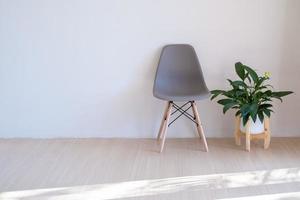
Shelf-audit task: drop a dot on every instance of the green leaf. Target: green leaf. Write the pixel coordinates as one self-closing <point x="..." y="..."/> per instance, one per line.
<point x="260" y="88"/>
<point x="281" y="93"/>
<point x="253" y="111"/>
<point x="252" y="73"/>
<point x="245" y="109"/>
<point x="267" y="112"/>
<point x="266" y="99"/>
<point x="254" y="117"/>
<point x="240" y="92"/>
<point x="268" y="85"/>
<point x="248" y="78"/>
<point x="259" y="82"/>
<point x="253" y="107"/>
<point x="228" y="106"/>
<point x="245" y="119"/>
<point x="229" y="94"/>
<point x="238" y="113"/>
<point x="213" y="96"/>
<point x="239" y="69"/>
<point x="216" y="93"/>
<point x="278" y="98"/>
<point x="266" y="105"/>
<point x="231" y="83"/>
<point x="261" y="116"/>
<point x="225" y="101"/>
<point x="258" y="95"/>
<point x="239" y="83"/>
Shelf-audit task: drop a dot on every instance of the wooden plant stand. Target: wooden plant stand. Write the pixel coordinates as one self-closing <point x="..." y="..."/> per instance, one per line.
<point x="266" y="135"/>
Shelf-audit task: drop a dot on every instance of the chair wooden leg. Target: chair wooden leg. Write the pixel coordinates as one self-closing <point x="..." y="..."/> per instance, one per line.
<point x="237" y="134"/>
<point x="163" y="122"/>
<point x="248" y="139"/>
<point x="199" y="125"/>
<point x="267" y="138"/>
<point x="195" y="117"/>
<point x="165" y="127"/>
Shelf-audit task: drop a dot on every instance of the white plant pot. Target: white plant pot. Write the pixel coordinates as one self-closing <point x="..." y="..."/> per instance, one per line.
<point x="255" y="127"/>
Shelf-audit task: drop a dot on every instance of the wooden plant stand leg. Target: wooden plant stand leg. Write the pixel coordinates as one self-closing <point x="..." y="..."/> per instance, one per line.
<point x="248" y="136"/>
<point x="163" y="122"/>
<point x="199" y="125"/>
<point x="237" y="134"/>
<point x="165" y="127"/>
<point x="267" y="138"/>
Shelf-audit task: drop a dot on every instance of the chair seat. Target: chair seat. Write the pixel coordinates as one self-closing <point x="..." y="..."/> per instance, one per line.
<point x="182" y="96"/>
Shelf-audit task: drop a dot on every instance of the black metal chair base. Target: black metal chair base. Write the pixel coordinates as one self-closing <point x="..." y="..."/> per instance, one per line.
<point x="183" y="112"/>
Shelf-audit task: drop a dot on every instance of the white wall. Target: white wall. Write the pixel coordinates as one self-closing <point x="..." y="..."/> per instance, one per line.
<point x="85" y="68"/>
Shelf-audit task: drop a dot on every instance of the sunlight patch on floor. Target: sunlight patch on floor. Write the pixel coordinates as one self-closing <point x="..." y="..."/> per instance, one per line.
<point x="160" y="186"/>
<point x="279" y="196"/>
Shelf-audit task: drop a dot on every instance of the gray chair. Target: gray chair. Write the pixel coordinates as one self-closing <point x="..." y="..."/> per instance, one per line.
<point x="179" y="78"/>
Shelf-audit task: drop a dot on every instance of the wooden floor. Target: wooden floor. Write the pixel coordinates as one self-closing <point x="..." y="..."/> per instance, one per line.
<point x="133" y="169"/>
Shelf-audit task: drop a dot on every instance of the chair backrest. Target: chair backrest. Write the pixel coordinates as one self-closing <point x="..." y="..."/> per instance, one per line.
<point x="178" y="71"/>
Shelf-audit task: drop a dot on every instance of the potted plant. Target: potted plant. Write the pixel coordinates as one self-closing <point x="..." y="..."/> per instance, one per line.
<point x="250" y="96"/>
